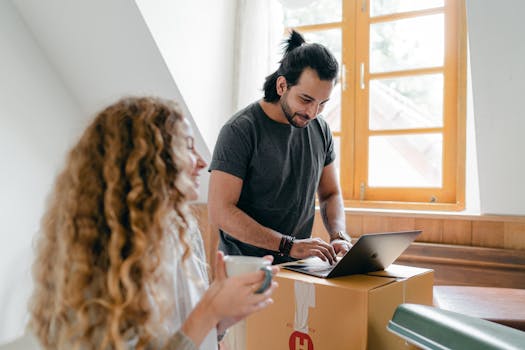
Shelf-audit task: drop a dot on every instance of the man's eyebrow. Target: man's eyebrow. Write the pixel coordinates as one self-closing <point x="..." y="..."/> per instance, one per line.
<point x="307" y="96"/>
<point x="313" y="99"/>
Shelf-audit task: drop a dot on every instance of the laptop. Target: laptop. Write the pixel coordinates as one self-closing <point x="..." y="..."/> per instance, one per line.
<point x="371" y="252"/>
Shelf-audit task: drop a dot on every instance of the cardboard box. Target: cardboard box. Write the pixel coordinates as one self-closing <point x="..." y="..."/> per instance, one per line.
<point x="350" y="312"/>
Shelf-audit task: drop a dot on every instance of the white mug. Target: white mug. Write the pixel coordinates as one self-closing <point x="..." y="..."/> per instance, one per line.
<point x="240" y="264"/>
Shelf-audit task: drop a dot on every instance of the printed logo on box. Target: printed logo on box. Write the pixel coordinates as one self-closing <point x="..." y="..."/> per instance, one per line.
<point x="300" y="341"/>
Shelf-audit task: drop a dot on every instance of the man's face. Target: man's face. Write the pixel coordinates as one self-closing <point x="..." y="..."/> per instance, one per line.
<point x="303" y="102"/>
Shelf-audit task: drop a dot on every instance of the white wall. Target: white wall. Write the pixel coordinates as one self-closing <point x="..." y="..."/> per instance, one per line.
<point x="196" y="40"/>
<point x="498" y="78"/>
<point x="61" y="61"/>
<point x="103" y="50"/>
<point x="39" y="119"/>
<point x="472" y="205"/>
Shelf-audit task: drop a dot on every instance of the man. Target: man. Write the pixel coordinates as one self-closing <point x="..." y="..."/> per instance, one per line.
<point x="270" y="160"/>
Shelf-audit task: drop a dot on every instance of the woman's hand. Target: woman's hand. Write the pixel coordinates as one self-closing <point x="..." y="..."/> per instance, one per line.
<point x="227" y="301"/>
<point x="220" y="269"/>
<point x="234" y="297"/>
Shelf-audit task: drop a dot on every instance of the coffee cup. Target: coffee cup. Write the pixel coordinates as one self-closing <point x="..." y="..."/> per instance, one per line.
<point x="240" y="264"/>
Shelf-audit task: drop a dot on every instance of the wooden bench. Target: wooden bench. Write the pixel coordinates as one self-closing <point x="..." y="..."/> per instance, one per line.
<point x="505" y="306"/>
<point x="487" y="283"/>
<point x="468" y="265"/>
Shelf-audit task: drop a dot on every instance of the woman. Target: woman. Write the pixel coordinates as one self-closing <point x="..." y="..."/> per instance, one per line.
<point x="120" y="263"/>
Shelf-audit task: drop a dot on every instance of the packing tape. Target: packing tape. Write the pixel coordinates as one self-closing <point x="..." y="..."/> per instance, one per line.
<point x="304" y="299"/>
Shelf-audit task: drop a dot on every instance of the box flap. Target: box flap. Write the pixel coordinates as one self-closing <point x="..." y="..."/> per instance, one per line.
<point x="362" y="282"/>
<point x="400" y="271"/>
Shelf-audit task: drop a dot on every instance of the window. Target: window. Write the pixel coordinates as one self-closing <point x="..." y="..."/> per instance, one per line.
<point x="410" y="101"/>
<point x="398" y="111"/>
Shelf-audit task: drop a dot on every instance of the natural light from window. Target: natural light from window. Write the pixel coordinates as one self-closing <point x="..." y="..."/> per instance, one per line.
<point x="395" y="103"/>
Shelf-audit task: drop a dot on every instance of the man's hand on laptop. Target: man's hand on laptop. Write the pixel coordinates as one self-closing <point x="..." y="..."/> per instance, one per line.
<point x="341" y="242"/>
<point x="304" y="248"/>
<point x="341" y="246"/>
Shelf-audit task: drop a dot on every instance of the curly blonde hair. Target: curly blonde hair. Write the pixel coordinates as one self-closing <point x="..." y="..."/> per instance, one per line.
<point x="100" y="250"/>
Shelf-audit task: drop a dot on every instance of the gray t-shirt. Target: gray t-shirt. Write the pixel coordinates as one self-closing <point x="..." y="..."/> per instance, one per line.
<point x="280" y="166"/>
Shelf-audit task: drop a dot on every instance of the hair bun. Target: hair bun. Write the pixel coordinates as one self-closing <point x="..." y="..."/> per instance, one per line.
<point x="294" y="41"/>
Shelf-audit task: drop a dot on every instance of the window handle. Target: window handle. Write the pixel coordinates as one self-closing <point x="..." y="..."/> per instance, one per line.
<point x="362" y="80"/>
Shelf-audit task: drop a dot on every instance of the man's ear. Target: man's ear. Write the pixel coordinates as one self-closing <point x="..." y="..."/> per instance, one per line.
<point x="281" y="85"/>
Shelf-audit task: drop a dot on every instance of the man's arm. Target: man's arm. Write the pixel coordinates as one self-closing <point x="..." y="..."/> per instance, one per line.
<point x="223" y="195"/>
<point x="331" y="206"/>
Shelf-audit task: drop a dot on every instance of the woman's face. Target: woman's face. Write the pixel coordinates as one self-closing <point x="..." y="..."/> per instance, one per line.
<point x="195" y="163"/>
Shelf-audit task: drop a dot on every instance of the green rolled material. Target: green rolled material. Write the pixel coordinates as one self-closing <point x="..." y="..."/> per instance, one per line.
<point x="436" y="329"/>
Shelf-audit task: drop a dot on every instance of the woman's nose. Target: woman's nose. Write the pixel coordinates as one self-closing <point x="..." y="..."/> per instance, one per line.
<point x="201" y="163"/>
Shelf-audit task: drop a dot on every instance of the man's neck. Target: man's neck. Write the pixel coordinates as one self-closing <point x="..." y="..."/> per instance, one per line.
<point x="273" y="111"/>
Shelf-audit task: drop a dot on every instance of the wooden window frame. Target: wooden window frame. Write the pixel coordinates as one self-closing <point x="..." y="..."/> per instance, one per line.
<point x="354" y="131"/>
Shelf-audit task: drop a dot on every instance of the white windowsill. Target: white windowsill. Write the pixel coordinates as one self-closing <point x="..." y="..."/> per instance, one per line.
<point x="456" y="215"/>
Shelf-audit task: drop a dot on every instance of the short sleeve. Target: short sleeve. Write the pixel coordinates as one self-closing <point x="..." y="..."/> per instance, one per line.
<point x="330" y="151"/>
<point x="233" y="150"/>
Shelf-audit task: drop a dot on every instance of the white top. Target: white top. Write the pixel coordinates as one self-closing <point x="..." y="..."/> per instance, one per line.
<point x="190" y="282"/>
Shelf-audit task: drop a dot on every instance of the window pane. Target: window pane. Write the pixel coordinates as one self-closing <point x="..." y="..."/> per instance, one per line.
<point x="337" y="148"/>
<point x="386" y="7"/>
<point x="406" y="103"/>
<point x="405" y="161"/>
<point x="332" y="110"/>
<point x="304" y="12"/>
<point x="407" y="44"/>
<point x="332" y="40"/>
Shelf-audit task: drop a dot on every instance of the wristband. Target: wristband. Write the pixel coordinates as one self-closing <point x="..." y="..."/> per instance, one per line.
<point x="286" y="245"/>
<point x="221" y="336"/>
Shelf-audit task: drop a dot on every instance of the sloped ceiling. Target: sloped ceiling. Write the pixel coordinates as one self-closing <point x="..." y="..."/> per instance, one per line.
<point x="103" y="50"/>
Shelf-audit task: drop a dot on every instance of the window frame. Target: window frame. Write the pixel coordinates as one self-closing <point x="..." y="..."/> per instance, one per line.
<point x="354" y="131"/>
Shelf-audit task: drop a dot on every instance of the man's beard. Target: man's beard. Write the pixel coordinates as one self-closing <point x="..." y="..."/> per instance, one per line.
<point x="288" y="114"/>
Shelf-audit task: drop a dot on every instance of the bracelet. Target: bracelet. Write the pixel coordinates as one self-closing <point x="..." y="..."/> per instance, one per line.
<point x="286" y="245"/>
<point x="221" y="336"/>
